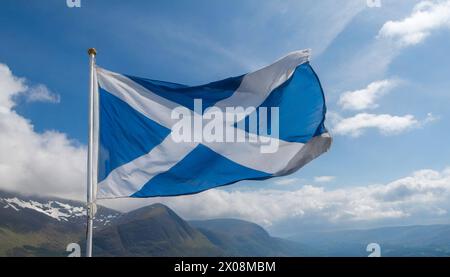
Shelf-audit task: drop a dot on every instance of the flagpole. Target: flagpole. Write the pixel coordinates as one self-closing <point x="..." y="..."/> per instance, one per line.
<point x="91" y="163"/>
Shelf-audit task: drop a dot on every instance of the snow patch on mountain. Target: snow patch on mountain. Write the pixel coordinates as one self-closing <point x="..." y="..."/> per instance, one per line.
<point x="55" y="209"/>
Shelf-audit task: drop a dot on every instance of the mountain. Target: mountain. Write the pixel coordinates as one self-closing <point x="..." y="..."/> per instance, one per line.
<point x="156" y="230"/>
<point x="152" y="231"/>
<point x="43" y="226"/>
<point x="40" y="226"/>
<point x="402" y="241"/>
<point x="243" y="238"/>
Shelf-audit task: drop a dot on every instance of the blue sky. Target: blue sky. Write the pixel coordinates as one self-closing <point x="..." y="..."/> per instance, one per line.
<point x="401" y="130"/>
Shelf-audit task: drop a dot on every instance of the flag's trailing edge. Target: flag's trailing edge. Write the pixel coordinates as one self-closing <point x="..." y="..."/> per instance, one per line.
<point x="139" y="158"/>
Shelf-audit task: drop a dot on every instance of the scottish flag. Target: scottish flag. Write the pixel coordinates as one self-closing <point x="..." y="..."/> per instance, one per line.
<point x="158" y="138"/>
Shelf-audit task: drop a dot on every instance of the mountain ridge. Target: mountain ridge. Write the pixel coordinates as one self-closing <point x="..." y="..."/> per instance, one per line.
<point x="43" y="226"/>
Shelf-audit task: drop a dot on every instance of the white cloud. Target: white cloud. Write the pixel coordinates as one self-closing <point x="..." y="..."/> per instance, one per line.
<point x="426" y="193"/>
<point x="324" y="179"/>
<point x="426" y="17"/>
<point x="41" y="93"/>
<point x="386" y="124"/>
<point x="31" y="162"/>
<point x="365" y="98"/>
<point x="287" y="181"/>
<point x="10" y="86"/>
<point x="371" y="60"/>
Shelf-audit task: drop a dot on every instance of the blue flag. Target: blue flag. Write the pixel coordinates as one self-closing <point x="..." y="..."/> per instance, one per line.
<point x="158" y="138"/>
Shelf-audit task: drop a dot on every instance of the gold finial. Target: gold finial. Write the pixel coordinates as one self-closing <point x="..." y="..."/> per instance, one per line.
<point x="92" y="51"/>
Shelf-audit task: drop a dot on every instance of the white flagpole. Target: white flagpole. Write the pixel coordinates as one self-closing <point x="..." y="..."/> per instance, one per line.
<point x="92" y="151"/>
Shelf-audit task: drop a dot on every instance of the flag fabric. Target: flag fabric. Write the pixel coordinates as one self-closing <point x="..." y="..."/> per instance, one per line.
<point x="139" y="157"/>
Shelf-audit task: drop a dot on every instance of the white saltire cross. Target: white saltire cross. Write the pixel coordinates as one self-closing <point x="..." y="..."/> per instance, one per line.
<point x="253" y="90"/>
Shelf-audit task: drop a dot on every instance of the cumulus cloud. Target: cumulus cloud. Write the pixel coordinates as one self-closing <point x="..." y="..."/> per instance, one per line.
<point x="372" y="60"/>
<point x="426" y="17"/>
<point x="324" y="179"/>
<point x="426" y="193"/>
<point x="384" y="123"/>
<point x="366" y="98"/>
<point x="13" y="87"/>
<point x="40" y="93"/>
<point x="32" y="162"/>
